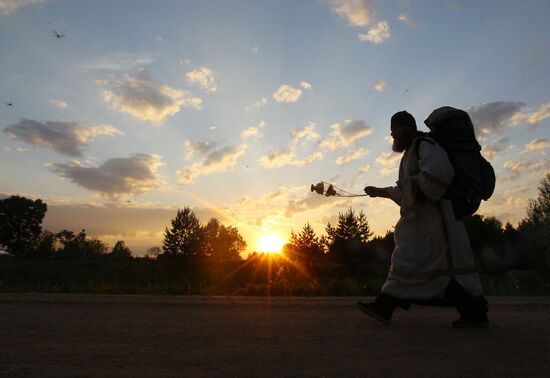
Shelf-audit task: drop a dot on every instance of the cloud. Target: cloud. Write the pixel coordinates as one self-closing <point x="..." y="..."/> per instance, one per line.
<point x="364" y="169"/>
<point x="286" y="156"/>
<point x="67" y="138"/>
<point x="492" y="150"/>
<point x="257" y="105"/>
<point x="201" y="147"/>
<point x="345" y="133"/>
<point x="220" y="160"/>
<point x="356" y="12"/>
<point x="522" y="166"/>
<point x="351" y="156"/>
<point x="379" y="86"/>
<point x="116" y="61"/>
<point x="377" y="34"/>
<point x="134" y="175"/>
<point x="147" y="101"/>
<point x="307" y="132"/>
<point x="8" y="6"/>
<point x="203" y="77"/>
<point x="60" y="104"/>
<point x="537" y="145"/>
<point x="406" y="19"/>
<point x="253" y="131"/>
<point x="494" y="116"/>
<point x="305" y="85"/>
<point x="532" y="118"/>
<point x="287" y="93"/>
<point x="389" y="162"/>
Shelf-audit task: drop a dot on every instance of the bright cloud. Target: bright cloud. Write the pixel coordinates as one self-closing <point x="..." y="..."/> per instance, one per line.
<point x="379" y="86"/>
<point x="364" y="169"/>
<point x="532" y="118"/>
<point x="203" y="77"/>
<point x="286" y="156"/>
<point x="67" y="138"/>
<point x="492" y="150"/>
<point x="287" y="93"/>
<point x="356" y="12"/>
<point x="389" y="162"/>
<point x="257" y="105"/>
<point x="254" y="131"/>
<point x="201" y="147"/>
<point x="220" y="160"/>
<point x="60" y="104"/>
<point x="147" y="101"/>
<point x="307" y="132"/>
<point x="351" y="156"/>
<point x="134" y="175"/>
<point x="377" y="34"/>
<point x="345" y="133"/>
<point x="406" y="19"/>
<point x="538" y="145"/>
<point x="524" y="165"/>
<point x="8" y="6"/>
<point x="305" y="85"/>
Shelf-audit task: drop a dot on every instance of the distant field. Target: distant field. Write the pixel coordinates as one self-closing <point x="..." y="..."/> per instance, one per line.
<point x="141" y="276"/>
<point x="62" y="335"/>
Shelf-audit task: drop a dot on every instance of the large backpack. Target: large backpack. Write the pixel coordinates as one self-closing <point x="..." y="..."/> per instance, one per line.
<point x="474" y="177"/>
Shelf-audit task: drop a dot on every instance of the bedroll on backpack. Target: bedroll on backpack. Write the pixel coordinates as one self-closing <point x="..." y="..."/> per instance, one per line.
<point x="474" y="177"/>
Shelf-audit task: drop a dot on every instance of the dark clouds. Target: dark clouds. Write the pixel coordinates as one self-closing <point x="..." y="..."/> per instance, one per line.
<point x="134" y="175"/>
<point x="494" y="116"/>
<point x="68" y="138"/>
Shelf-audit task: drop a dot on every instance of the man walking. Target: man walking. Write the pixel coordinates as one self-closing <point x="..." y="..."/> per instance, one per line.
<point x="432" y="263"/>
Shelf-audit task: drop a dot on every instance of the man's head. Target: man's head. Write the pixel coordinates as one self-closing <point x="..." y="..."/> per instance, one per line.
<point x="403" y="130"/>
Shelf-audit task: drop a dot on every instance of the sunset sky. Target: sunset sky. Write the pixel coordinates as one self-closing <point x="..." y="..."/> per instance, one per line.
<point x="234" y="108"/>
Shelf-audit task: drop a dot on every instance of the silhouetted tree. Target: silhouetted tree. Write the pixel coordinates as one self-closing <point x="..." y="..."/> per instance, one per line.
<point x="307" y="246"/>
<point x="185" y="235"/>
<point x="152" y="253"/>
<point x="222" y="242"/>
<point x="347" y="242"/>
<point x="120" y="251"/>
<point x="20" y="224"/>
<point x="536" y="226"/>
<point x="79" y="245"/>
<point x="47" y="246"/>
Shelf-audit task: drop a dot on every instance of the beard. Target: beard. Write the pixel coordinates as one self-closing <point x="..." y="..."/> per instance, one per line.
<point x="401" y="144"/>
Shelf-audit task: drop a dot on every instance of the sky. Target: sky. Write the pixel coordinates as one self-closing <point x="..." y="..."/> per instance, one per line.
<point x="118" y="113"/>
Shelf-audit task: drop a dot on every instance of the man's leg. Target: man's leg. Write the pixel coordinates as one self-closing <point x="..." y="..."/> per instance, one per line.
<point x="472" y="310"/>
<point x="383" y="307"/>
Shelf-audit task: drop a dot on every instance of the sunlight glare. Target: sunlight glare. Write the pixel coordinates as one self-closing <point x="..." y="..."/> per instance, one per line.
<point x="270" y="244"/>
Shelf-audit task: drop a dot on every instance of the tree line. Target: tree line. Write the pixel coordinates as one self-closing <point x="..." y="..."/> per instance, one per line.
<point x="348" y="242"/>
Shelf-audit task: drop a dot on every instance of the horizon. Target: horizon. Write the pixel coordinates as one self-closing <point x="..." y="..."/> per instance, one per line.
<point x="116" y="114"/>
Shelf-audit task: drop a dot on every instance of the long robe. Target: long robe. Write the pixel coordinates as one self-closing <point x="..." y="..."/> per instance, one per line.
<point x="431" y="246"/>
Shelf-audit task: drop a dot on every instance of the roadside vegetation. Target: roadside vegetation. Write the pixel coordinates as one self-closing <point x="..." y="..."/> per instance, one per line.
<point x="205" y="259"/>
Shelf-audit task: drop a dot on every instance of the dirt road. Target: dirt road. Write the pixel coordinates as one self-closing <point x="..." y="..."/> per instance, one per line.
<point x="142" y="336"/>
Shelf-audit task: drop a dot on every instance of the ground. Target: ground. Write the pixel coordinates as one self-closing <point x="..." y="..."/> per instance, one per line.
<point x="62" y="335"/>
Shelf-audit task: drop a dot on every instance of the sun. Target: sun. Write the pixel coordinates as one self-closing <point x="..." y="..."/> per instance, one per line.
<point x="270" y="244"/>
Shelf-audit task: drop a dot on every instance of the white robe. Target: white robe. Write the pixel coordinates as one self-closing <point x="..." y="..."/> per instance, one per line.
<point x="431" y="246"/>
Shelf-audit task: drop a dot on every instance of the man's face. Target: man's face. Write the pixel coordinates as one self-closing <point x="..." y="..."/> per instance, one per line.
<point x="402" y="138"/>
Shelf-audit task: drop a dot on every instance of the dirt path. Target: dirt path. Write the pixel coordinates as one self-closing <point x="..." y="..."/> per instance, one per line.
<point x="141" y="336"/>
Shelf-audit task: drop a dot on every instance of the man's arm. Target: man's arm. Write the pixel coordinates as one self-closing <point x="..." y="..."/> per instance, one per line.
<point x="391" y="192"/>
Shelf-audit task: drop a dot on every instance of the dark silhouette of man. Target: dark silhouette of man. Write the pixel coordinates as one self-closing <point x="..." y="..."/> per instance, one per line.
<point x="432" y="263"/>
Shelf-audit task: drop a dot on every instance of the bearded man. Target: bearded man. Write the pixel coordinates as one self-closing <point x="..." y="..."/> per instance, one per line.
<point x="432" y="263"/>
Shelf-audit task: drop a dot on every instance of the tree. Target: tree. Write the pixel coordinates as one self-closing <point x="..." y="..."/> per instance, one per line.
<point x="120" y="251"/>
<point x="79" y="245"/>
<point x="536" y="227"/>
<point x="307" y="246"/>
<point x="222" y="242"/>
<point x="152" y="253"/>
<point x="185" y="235"/>
<point x="347" y="242"/>
<point x="20" y="224"/>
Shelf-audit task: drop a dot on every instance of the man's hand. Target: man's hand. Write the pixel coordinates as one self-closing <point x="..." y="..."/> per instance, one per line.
<point x="373" y="191"/>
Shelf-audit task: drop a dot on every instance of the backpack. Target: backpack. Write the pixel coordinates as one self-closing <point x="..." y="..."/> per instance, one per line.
<point x="474" y="177"/>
